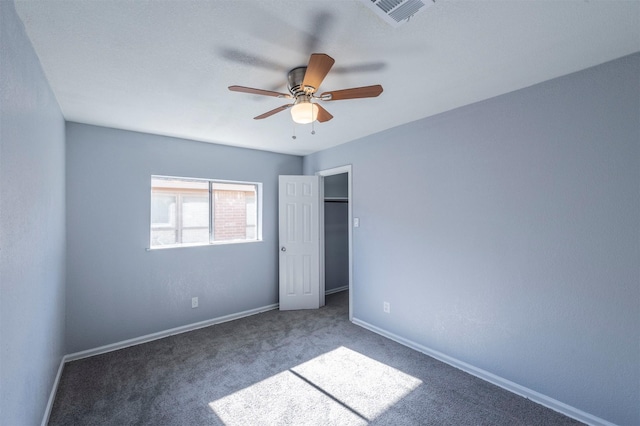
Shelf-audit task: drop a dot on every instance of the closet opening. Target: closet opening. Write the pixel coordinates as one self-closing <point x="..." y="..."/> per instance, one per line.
<point x="337" y="233"/>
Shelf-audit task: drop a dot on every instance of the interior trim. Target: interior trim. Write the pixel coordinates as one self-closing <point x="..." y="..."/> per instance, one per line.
<point x="525" y="392"/>
<point x="337" y="290"/>
<point x="52" y="394"/>
<point x="162" y="334"/>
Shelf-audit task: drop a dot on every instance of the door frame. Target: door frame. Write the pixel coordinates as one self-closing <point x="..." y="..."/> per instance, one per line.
<point x="348" y="169"/>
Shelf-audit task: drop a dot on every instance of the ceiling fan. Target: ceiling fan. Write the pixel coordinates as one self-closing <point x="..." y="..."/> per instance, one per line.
<point x="303" y="83"/>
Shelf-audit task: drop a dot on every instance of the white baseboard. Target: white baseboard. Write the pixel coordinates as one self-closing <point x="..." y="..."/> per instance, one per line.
<point x="162" y="334"/>
<point x="139" y="340"/>
<point x="337" y="290"/>
<point x="491" y="378"/>
<point x="52" y="395"/>
<point x="482" y="374"/>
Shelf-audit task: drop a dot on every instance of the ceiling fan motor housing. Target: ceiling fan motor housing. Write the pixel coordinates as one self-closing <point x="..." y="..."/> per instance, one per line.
<point x="295" y="79"/>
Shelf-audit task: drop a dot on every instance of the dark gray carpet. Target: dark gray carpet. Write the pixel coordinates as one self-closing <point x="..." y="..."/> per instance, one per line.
<point x="296" y="367"/>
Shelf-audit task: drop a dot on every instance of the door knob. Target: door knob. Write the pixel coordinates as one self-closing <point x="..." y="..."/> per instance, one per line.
<point x="283" y="249"/>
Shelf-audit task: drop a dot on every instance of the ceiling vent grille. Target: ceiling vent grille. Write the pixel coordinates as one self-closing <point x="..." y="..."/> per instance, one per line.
<point x="397" y="12"/>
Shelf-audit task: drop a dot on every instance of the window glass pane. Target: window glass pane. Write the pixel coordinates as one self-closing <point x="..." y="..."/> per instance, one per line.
<point x="234" y="212"/>
<point x="177" y="206"/>
<point x="182" y="212"/>
<point x="190" y="236"/>
<point x="162" y="238"/>
<point x="163" y="210"/>
<point x="252" y="216"/>
<point x="195" y="210"/>
<point x="169" y="183"/>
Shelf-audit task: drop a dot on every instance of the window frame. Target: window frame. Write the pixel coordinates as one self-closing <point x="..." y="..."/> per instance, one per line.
<point x="211" y="221"/>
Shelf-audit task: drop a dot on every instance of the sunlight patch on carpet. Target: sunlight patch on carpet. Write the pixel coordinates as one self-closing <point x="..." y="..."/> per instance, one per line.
<point x="365" y="385"/>
<point x="339" y="386"/>
<point x="282" y="399"/>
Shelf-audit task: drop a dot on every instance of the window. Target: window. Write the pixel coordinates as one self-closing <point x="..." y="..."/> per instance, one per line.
<point x="200" y="211"/>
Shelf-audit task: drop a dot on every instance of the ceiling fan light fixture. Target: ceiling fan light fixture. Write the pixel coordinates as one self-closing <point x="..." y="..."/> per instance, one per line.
<point x="303" y="83"/>
<point x="304" y="111"/>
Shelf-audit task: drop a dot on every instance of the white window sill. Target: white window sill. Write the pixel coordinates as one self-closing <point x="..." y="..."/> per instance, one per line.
<point x="216" y="243"/>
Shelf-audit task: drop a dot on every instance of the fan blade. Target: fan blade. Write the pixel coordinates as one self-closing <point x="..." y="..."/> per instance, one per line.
<point x="317" y="69"/>
<point x="354" y="93"/>
<point x="259" y="92"/>
<point x="323" y="114"/>
<point x="273" y="111"/>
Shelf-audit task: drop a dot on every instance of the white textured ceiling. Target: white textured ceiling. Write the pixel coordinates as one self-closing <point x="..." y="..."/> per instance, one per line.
<point x="163" y="67"/>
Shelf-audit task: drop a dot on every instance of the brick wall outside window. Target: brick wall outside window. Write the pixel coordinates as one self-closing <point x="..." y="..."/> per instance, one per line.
<point x="230" y="213"/>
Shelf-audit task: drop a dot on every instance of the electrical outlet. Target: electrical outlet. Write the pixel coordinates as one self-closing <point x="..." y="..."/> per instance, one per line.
<point x="386" y="307"/>
<point x="356" y="222"/>
<point x="194" y="302"/>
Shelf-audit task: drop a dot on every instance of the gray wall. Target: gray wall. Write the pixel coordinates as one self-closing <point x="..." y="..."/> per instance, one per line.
<point x="32" y="228"/>
<point x="116" y="289"/>
<point x="515" y="231"/>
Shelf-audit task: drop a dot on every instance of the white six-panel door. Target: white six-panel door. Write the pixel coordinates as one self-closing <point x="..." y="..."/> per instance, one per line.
<point x="299" y="205"/>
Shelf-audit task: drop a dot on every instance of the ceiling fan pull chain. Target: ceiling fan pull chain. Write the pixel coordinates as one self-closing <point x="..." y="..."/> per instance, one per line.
<point x="313" y="127"/>
<point x="294" y="131"/>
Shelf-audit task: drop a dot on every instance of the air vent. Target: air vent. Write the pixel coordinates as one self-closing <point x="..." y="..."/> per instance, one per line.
<point x="397" y="12"/>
